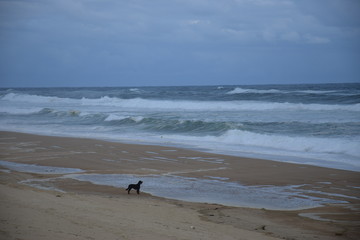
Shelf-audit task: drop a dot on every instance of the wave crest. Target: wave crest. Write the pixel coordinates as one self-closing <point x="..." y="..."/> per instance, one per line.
<point x="140" y="103"/>
<point x="300" y="144"/>
<point x="239" y="90"/>
<point x="244" y="142"/>
<point x="15" y="97"/>
<point x="181" y="105"/>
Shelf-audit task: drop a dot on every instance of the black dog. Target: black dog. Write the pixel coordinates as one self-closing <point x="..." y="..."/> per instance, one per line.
<point x="134" y="186"/>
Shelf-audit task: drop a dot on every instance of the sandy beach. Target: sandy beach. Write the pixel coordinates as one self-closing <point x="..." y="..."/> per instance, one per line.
<point x="57" y="205"/>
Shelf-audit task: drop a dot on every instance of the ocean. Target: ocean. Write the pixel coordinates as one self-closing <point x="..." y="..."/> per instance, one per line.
<point x="316" y="124"/>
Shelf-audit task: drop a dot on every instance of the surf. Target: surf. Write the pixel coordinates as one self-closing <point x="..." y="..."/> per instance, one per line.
<point x="317" y="123"/>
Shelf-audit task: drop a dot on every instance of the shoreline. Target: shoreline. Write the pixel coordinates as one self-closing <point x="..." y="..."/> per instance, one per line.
<point x="328" y="221"/>
<point x="262" y="156"/>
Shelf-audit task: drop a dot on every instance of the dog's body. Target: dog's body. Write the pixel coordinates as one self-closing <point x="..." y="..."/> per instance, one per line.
<point x="134" y="186"/>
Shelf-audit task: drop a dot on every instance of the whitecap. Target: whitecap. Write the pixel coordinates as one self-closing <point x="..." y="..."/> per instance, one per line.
<point x="239" y="90"/>
<point x="115" y="117"/>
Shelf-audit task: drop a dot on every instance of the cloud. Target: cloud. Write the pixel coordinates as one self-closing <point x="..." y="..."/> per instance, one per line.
<point x="290" y="36"/>
<point x="137" y="21"/>
<point x="315" y="39"/>
<point x="139" y="38"/>
<point x="260" y="20"/>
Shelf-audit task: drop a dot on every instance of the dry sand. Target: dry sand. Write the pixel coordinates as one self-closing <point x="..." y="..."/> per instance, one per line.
<point x="81" y="210"/>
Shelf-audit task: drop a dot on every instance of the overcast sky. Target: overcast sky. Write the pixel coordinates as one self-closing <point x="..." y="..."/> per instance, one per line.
<point x="45" y="43"/>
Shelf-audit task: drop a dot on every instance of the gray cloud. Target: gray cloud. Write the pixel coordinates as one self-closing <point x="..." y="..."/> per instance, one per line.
<point x="177" y="42"/>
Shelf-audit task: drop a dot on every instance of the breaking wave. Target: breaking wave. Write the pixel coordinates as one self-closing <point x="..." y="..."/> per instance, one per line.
<point x="140" y="103"/>
<point x="245" y="90"/>
<point x="310" y="121"/>
<point x="240" y="90"/>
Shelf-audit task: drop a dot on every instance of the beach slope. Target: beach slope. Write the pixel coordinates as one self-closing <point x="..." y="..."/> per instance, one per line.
<point x="48" y="204"/>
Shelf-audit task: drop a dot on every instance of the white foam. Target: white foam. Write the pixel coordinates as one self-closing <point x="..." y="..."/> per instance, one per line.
<point x="143" y="104"/>
<point x="19" y="110"/>
<point x="218" y="178"/>
<point x="14" y="97"/>
<point x="139" y="103"/>
<point x="301" y="144"/>
<point x="239" y="90"/>
<point x="115" y="117"/>
<point x="315" y="91"/>
<point x="135" y="90"/>
<point x="137" y="118"/>
<point x="328" y="152"/>
<point x="340" y="152"/>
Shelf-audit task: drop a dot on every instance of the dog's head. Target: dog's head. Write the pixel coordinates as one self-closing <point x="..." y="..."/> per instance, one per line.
<point x="140" y="182"/>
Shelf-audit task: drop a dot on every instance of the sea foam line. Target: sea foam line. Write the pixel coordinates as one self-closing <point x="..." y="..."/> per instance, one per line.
<point x="240" y="90"/>
<point x="140" y="103"/>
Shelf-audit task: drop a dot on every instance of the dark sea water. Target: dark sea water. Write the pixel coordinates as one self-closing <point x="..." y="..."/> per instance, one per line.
<point x="311" y="124"/>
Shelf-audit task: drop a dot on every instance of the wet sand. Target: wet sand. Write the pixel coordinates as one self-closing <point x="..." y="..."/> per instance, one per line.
<point x="65" y="208"/>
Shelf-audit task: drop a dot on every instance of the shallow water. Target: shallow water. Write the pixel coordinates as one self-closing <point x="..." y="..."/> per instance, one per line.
<point x="33" y="168"/>
<point x="211" y="190"/>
